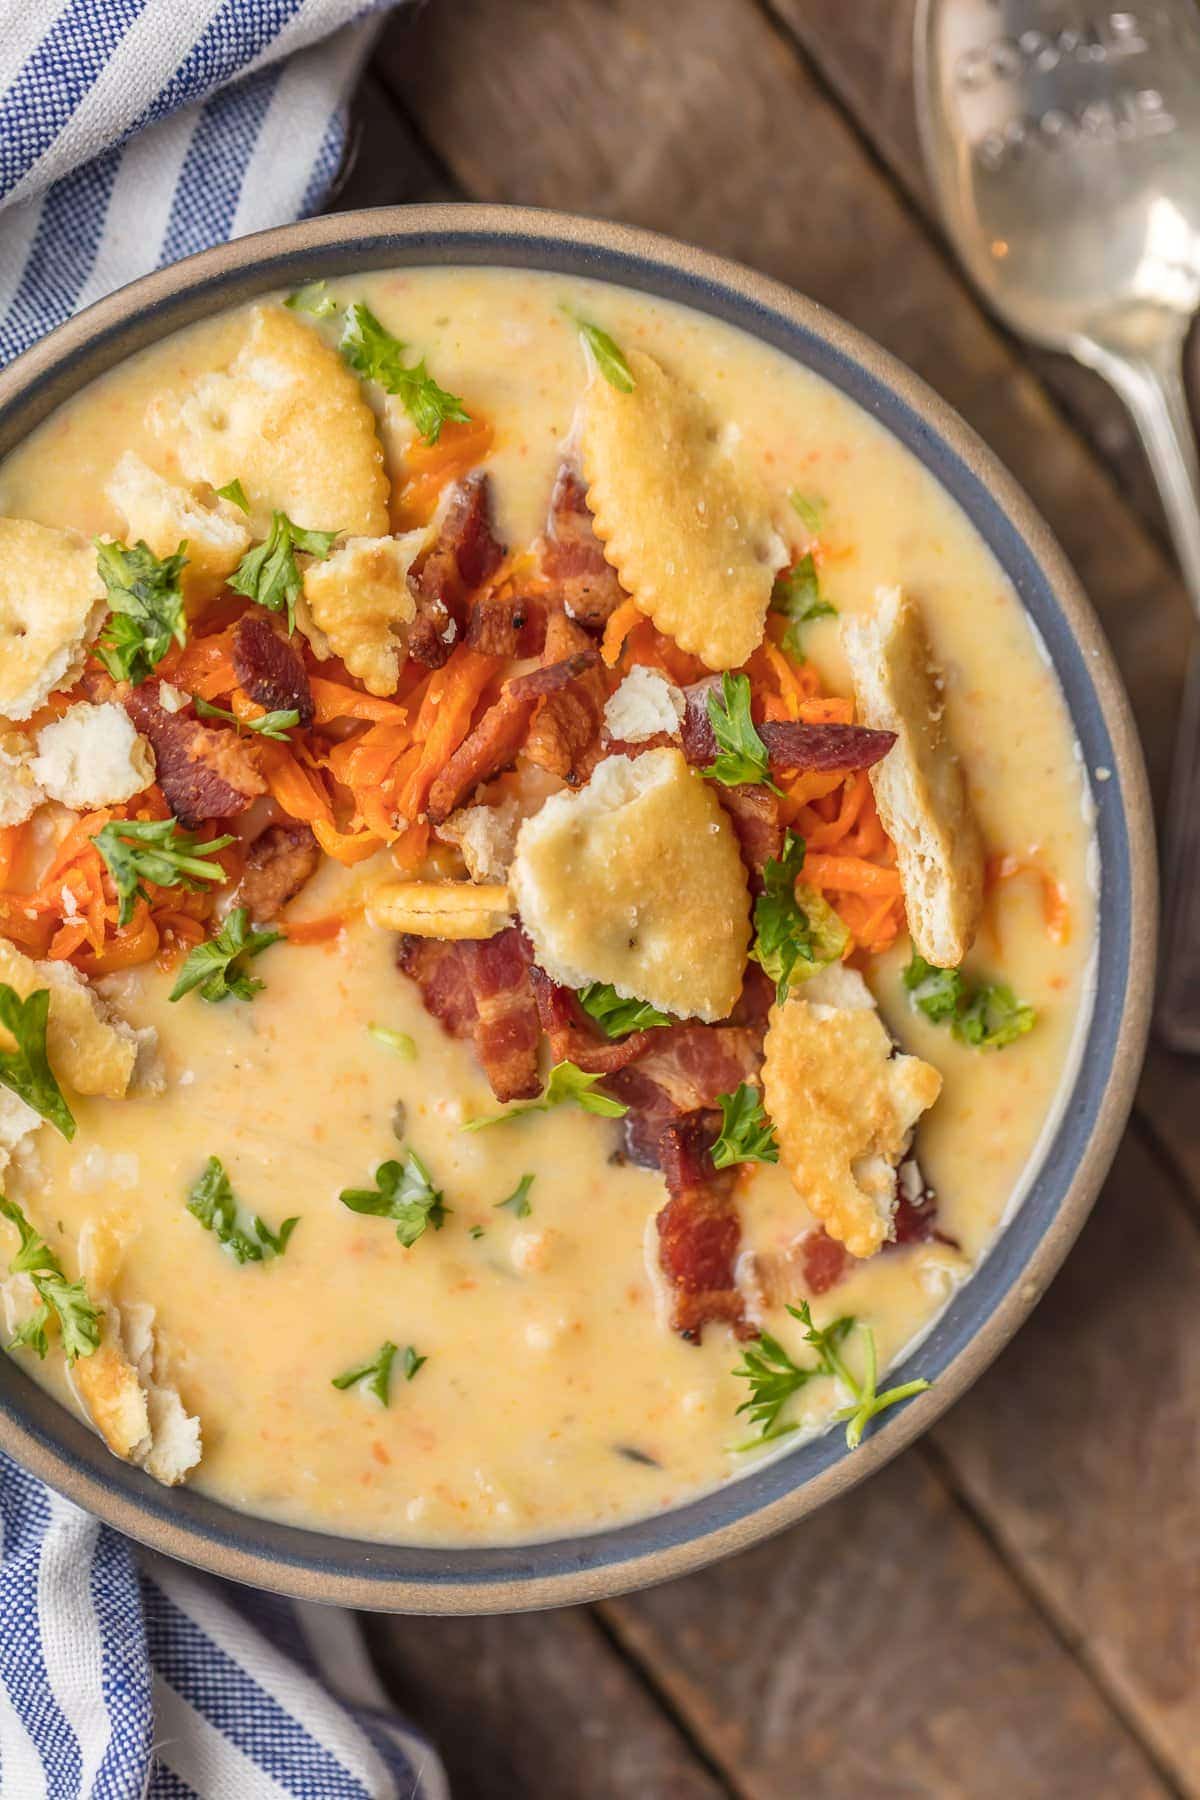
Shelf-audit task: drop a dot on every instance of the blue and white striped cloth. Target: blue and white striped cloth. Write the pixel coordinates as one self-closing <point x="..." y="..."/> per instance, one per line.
<point x="133" y="132"/>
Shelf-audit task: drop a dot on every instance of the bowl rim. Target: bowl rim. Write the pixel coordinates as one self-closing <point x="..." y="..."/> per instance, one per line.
<point x="51" y="1444"/>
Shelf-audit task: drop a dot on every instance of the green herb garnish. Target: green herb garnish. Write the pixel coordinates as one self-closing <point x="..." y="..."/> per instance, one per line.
<point x="747" y="1135"/>
<point x="398" y="1041"/>
<point x="313" y="297"/>
<point x="159" y="851"/>
<point x="378" y="1372"/>
<point x="272" y="725"/>
<point x="212" y="1200"/>
<point x="25" y="1070"/>
<point x="617" y="1017"/>
<point x="372" y="351"/>
<point x="610" y="359"/>
<point x="796" y="931"/>
<point x="774" y="1378"/>
<point x="797" y="595"/>
<point x="986" y="1018"/>
<point x="147" y="608"/>
<point x="741" y="754"/>
<point x="518" y="1201"/>
<point x="403" y="1192"/>
<point x="269" y="573"/>
<point x="810" y="508"/>
<point x="234" y="492"/>
<point x="567" y="1082"/>
<point x="67" y="1301"/>
<point x="218" y="968"/>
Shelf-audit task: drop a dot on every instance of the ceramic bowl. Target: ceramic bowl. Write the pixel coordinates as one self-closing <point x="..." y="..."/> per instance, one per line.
<point x="987" y="1311"/>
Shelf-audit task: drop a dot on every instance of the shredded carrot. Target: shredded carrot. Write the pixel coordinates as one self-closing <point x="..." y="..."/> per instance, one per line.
<point x="829" y="709"/>
<point x="314" y="931"/>
<point x="1056" y="907"/>
<point x="334" y="700"/>
<point x="13" y="839"/>
<point x="443" y="722"/>
<point x="409" y="849"/>
<point x="299" y="792"/>
<point x="345" y="846"/>
<point x="429" y="468"/>
<point x="851" y="875"/>
<point x="137" y="943"/>
<point x="620" y="624"/>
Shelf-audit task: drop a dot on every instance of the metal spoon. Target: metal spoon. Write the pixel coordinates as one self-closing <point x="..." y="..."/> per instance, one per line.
<point x="1065" y="153"/>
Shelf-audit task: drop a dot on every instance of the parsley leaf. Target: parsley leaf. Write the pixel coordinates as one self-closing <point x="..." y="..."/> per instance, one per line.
<point x="747" y="1135"/>
<point x="156" y="850"/>
<point x="66" y="1301"/>
<point x="218" y="968"/>
<point x="403" y="1192"/>
<point x="741" y="754"/>
<point x="609" y="357"/>
<point x="235" y="493"/>
<point x="988" y="1018"/>
<point x="372" y="351"/>
<point x="399" y="1041"/>
<point x="567" y="1082"/>
<point x="774" y="1378"/>
<point x="313" y="297"/>
<point x="793" y="924"/>
<point x="272" y="725"/>
<point x="269" y="573"/>
<point x="378" y="1372"/>
<point x="810" y="508"/>
<point x="617" y="1017"/>
<point x="518" y="1201"/>
<point x="212" y="1200"/>
<point x="147" y="608"/>
<point x="26" y="1070"/>
<point x="797" y="595"/>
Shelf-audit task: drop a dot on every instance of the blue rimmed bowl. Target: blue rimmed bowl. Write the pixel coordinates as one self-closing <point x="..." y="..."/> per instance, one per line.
<point x="987" y="1311"/>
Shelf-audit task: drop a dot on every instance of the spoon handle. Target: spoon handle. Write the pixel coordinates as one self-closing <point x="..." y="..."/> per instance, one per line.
<point x="1152" y="387"/>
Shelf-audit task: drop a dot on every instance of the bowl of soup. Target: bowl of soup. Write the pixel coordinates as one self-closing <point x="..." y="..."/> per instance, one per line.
<point x="576" y="911"/>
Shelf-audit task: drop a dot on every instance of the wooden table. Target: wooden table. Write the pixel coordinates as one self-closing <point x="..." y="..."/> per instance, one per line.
<point x="1012" y="1608"/>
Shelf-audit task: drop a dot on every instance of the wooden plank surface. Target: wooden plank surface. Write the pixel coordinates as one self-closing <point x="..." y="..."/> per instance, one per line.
<point x="1044" y="1538"/>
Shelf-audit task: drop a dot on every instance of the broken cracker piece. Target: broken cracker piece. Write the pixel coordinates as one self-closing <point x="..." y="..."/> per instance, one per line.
<point x="442" y="909"/>
<point x="89" y="1048"/>
<point x="637" y="880"/>
<point x="682" y="522"/>
<point x="844" y="1106"/>
<point x="919" y="786"/>
<point x="357" y="604"/>
<point x="52" y="601"/>
<point x="288" y="420"/>
<point x="164" y="513"/>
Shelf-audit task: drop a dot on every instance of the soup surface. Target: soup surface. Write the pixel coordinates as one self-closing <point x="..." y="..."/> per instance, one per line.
<point x="554" y="1394"/>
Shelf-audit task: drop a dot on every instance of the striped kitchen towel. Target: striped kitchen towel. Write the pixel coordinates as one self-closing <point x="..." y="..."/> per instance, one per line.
<point x="133" y="132"/>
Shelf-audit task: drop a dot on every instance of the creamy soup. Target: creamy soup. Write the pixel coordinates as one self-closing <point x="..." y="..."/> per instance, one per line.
<point x="554" y="1394"/>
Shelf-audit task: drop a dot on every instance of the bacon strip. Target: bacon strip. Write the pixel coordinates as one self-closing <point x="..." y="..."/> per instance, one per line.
<point x="507" y="625"/>
<point x="437" y="969"/>
<point x="203" y="773"/>
<point x="792" y="747"/>
<point x="575" y="1038"/>
<point x="683" y="1070"/>
<point x="270" y="668"/>
<point x="465" y="554"/>
<point x="565" y="736"/>
<point x="754" y="814"/>
<point x="482" y="991"/>
<point x="278" y="863"/>
<point x="698" y="1231"/>
<point x="572" y="556"/>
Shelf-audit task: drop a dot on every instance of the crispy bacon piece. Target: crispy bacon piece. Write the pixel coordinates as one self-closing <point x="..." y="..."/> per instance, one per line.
<point x="572" y="557"/>
<point x="575" y="1038"/>
<point x="464" y="555"/>
<point x="754" y="814"/>
<point x="565" y="736"/>
<point x="482" y="991"/>
<point x="511" y="625"/>
<point x="698" y="1231"/>
<point x="270" y="668"/>
<point x="793" y="747"/>
<point x="755" y="1000"/>
<point x="823" y="1260"/>
<point x="501" y="732"/>
<point x="278" y="863"/>
<point x="683" y="1070"/>
<point x="916" y="1214"/>
<point x="203" y="773"/>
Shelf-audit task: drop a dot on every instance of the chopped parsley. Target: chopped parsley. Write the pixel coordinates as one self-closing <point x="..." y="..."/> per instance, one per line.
<point x="774" y="1378"/>
<point x="66" y="1301"/>
<point x="617" y="1017"/>
<point x="378" y="1372"/>
<point x="398" y="1041"/>
<point x="987" y="1017"/>
<point x="403" y="1192"/>
<point x="211" y="1199"/>
<point x="236" y="493"/>
<point x="373" y="352"/>
<point x="269" y="573"/>
<point x="747" y="1135"/>
<point x="272" y="725"/>
<point x="741" y="754"/>
<point x="476" y="1231"/>
<point x="610" y="359"/>
<point x="793" y="925"/>
<point x="567" y="1082"/>
<point x="218" y="968"/>
<point x="25" y="1070"/>
<point x="797" y="595"/>
<point x="313" y="297"/>
<point x="809" y="507"/>
<point x="147" y="614"/>
<point x="518" y="1201"/>
<point x="159" y="851"/>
